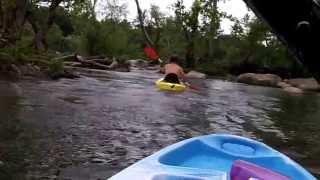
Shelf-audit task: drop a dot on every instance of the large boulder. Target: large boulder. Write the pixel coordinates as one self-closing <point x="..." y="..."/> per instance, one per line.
<point x="196" y="75"/>
<point x="307" y="84"/>
<point x="260" y="79"/>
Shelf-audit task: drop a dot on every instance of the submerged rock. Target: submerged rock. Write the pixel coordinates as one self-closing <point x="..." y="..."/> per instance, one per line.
<point x="64" y="74"/>
<point x="122" y="69"/>
<point x="98" y="160"/>
<point x="120" y="151"/>
<point x="153" y="68"/>
<point x="259" y="79"/>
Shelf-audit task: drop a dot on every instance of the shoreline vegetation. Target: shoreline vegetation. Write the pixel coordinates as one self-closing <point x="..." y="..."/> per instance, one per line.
<point x="55" y="67"/>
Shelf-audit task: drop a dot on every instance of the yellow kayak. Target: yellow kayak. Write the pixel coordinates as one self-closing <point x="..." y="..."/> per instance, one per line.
<point x="162" y="85"/>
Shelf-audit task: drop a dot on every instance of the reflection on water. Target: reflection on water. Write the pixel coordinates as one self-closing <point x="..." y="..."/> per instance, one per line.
<point x="299" y="119"/>
<point x="14" y="143"/>
<point x="100" y="124"/>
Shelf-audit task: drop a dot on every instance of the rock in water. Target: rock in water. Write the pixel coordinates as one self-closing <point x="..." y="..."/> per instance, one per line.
<point x="139" y="63"/>
<point x="195" y="74"/>
<point x="15" y="70"/>
<point x="307" y="84"/>
<point x="259" y="79"/>
<point x="283" y="85"/>
<point x="293" y="90"/>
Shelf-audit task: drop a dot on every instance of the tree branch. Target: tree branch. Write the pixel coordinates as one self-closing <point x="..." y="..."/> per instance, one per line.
<point x="143" y="28"/>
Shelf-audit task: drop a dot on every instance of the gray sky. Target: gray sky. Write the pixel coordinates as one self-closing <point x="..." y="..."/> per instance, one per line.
<point x="236" y="8"/>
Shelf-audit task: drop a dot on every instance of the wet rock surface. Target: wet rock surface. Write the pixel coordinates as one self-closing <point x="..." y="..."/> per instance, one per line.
<point x="138" y="63"/>
<point x="260" y="79"/>
<point x="93" y="127"/>
<point x="307" y="84"/>
<point x="197" y="75"/>
<point x="293" y="90"/>
<point x="20" y="70"/>
<point x="283" y="85"/>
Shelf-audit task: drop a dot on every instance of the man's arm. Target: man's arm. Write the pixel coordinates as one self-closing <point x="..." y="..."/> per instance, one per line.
<point x="183" y="75"/>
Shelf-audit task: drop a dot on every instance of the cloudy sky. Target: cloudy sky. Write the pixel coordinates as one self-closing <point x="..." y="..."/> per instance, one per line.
<point x="236" y="8"/>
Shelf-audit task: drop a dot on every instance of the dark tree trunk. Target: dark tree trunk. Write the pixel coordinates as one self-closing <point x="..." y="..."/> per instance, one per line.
<point x="39" y="41"/>
<point x="20" y="14"/>
<point x="2" y="40"/>
<point x="12" y="19"/>
<point x="41" y="31"/>
<point x="1" y="17"/>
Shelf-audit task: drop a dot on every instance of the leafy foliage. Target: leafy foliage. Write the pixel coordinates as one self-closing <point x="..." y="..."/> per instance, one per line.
<point x="194" y="34"/>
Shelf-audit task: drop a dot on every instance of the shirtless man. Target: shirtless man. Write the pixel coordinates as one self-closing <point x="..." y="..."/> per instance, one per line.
<point x="173" y="72"/>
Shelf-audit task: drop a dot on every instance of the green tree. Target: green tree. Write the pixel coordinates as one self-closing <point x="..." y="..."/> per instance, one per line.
<point x="41" y="19"/>
<point x="156" y="24"/>
<point x="211" y="19"/>
<point x="188" y="21"/>
<point x="141" y="18"/>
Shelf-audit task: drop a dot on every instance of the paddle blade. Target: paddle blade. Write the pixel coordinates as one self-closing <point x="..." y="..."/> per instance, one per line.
<point x="151" y="53"/>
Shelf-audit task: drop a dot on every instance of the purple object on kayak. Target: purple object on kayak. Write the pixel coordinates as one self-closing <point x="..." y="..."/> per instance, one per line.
<point x="242" y="170"/>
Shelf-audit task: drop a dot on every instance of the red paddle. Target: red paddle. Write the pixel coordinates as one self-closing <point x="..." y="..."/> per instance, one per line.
<point x="152" y="54"/>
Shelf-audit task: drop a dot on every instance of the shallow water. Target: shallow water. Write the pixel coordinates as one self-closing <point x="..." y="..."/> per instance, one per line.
<point x="92" y="127"/>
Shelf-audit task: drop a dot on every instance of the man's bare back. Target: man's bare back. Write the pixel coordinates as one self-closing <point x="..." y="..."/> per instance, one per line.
<point x="175" y="69"/>
<point x="173" y="72"/>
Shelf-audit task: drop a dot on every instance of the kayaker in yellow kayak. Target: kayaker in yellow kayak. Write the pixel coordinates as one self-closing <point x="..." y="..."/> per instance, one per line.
<point x="173" y="72"/>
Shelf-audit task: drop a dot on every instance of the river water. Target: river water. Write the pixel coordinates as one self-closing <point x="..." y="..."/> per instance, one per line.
<point x="92" y="127"/>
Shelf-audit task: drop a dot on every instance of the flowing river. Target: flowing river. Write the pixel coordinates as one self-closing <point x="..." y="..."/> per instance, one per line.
<point x="92" y="127"/>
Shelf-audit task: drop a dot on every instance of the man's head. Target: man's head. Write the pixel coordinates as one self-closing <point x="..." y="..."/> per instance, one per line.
<point x="174" y="59"/>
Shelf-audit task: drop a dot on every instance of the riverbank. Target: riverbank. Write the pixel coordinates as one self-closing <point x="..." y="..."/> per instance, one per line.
<point x="17" y="71"/>
<point x="17" y="65"/>
<point x="55" y="67"/>
<point x="48" y="66"/>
